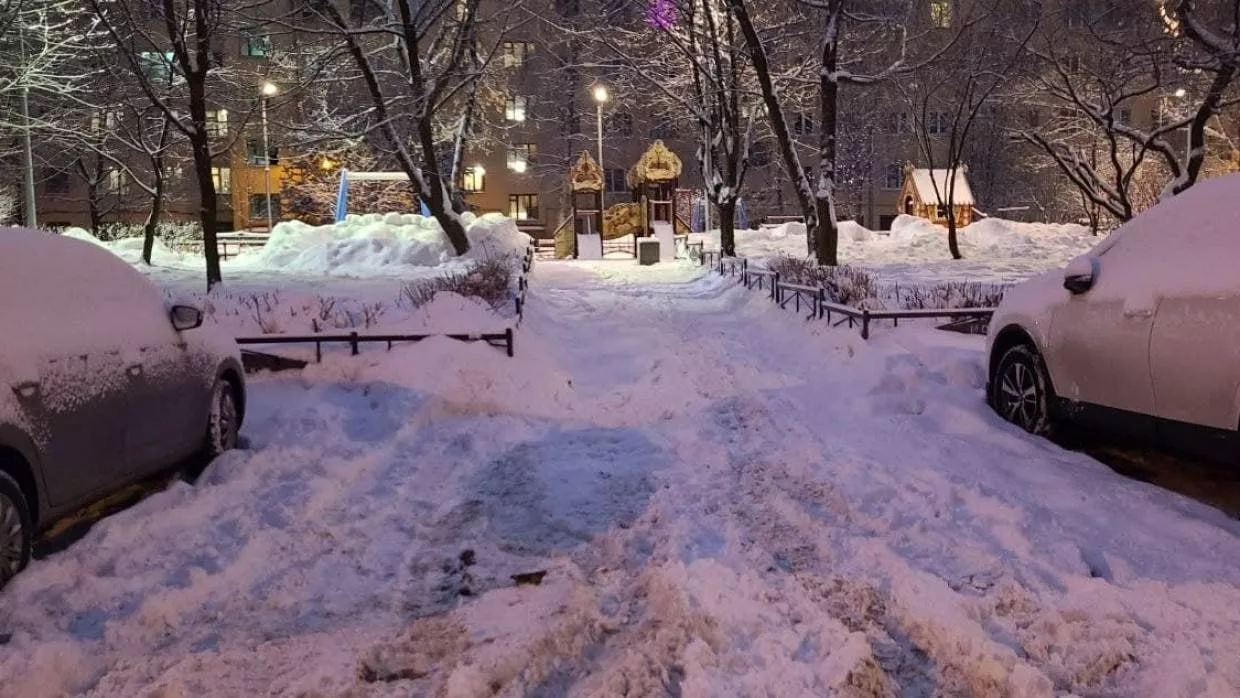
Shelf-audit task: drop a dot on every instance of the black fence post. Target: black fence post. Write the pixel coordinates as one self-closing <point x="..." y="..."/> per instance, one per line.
<point x="775" y="287"/>
<point x="318" y="352"/>
<point x="821" y="299"/>
<point x="353" y="343"/>
<point x="865" y="323"/>
<point x="508" y="340"/>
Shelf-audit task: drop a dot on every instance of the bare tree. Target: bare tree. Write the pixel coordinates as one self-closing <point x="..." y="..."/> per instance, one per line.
<point x="418" y="67"/>
<point x="1134" y="86"/>
<point x="947" y="99"/>
<point x="856" y="47"/>
<point x="170" y="51"/>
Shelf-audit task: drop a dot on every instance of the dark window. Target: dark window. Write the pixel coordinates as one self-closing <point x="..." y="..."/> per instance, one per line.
<point x="897" y="122"/>
<point x="802" y="124"/>
<point x="884" y="222"/>
<point x="937" y="122"/>
<point x="568" y="8"/>
<point x="1125" y="115"/>
<point x="620" y="124"/>
<point x="892" y="176"/>
<point x="365" y="11"/>
<point x="523" y="207"/>
<point x="570" y="121"/>
<point x="664" y="130"/>
<point x="258" y="206"/>
<point x="614" y="180"/>
<point x="760" y="154"/>
<point x="254" y="152"/>
<point x="1033" y="118"/>
<point x="56" y="182"/>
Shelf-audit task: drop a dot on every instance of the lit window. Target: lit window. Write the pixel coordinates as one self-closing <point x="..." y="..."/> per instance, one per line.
<point x="156" y="66"/>
<point x="221" y="177"/>
<point x="521" y="156"/>
<point x="256" y="45"/>
<point x="217" y="123"/>
<point x="941" y="13"/>
<point x="474" y="180"/>
<point x="523" y="207"/>
<point x="514" y="54"/>
<point x="117" y="183"/>
<point x="515" y="109"/>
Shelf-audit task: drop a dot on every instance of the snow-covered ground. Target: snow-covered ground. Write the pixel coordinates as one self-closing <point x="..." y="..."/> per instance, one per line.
<point x="915" y="250"/>
<point x="727" y="501"/>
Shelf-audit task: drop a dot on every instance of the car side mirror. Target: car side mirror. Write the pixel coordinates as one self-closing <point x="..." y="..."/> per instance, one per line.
<point x="185" y="317"/>
<point x="1080" y="274"/>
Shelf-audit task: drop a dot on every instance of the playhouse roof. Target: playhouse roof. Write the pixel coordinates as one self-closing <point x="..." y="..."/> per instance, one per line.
<point x="924" y="182"/>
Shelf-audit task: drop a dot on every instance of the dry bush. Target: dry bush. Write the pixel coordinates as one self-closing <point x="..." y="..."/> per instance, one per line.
<point x="845" y="285"/>
<point x="952" y="294"/>
<point x="490" y="280"/>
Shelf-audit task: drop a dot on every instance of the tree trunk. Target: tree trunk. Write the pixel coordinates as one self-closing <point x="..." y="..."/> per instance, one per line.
<point x="775" y="113"/>
<point x="952" y="244"/>
<point x="727" y="227"/>
<point x="827" y="235"/>
<point x="152" y="218"/>
<point x="92" y="204"/>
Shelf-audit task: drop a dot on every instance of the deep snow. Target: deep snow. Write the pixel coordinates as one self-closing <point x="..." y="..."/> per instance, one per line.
<point x="915" y="250"/>
<point x="726" y="499"/>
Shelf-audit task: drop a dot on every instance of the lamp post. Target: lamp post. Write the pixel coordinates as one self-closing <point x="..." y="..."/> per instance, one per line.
<point x="600" y="98"/>
<point x="268" y="91"/>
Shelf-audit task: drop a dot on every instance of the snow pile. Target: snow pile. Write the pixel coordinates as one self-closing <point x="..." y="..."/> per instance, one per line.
<point x="130" y="249"/>
<point x="915" y="250"/>
<point x="725" y="501"/>
<point x="451" y="313"/>
<point x="374" y="244"/>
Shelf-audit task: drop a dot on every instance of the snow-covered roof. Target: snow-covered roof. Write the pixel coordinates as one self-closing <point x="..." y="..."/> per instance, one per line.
<point x="924" y="182"/>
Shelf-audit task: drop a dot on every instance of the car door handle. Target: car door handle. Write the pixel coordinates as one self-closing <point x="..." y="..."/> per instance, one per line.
<point x="134" y="370"/>
<point x="1138" y="313"/>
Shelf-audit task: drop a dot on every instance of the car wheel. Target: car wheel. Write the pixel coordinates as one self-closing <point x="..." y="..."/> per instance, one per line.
<point x="1021" y="390"/>
<point x="224" y="422"/>
<point x="16" y="529"/>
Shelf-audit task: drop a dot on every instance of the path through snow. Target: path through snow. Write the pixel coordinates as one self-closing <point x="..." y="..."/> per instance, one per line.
<point x="727" y="501"/>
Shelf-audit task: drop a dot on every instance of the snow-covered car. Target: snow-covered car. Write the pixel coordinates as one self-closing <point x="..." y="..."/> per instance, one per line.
<point x="1141" y="336"/>
<point x="103" y="383"/>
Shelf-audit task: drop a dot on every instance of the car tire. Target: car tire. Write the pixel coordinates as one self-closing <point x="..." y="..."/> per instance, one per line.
<point x="16" y="529"/>
<point x="224" y="420"/>
<point x="1021" y="390"/>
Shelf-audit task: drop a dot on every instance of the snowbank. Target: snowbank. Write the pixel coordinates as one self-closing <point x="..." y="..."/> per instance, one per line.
<point x="451" y="313"/>
<point x="916" y="250"/>
<point x="373" y="244"/>
<point x="130" y="249"/>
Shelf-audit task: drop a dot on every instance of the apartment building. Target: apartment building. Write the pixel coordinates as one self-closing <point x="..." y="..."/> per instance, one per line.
<point x="546" y="113"/>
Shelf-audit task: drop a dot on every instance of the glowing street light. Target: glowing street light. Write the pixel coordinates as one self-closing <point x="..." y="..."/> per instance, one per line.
<point x="600" y="94"/>
<point x="600" y="98"/>
<point x="268" y="90"/>
<point x="1180" y="92"/>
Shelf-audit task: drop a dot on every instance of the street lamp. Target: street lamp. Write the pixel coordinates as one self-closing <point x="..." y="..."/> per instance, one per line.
<point x="269" y="90"/>
<point x="600" y="98"/>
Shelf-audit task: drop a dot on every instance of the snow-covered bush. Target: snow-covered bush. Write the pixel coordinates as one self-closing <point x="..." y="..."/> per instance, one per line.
<point x="845" y="285"/>
<point x="489" y="280"/>
<point x="954" y="294"/>
<point x="173" y="233"/>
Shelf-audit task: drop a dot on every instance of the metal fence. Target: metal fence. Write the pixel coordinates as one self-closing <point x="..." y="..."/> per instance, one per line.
<point x="813" y="301"/>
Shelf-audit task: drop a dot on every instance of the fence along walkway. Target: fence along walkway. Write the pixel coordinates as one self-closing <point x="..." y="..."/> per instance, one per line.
<point x="504" y="340"/>
<point x="814" y="298"/>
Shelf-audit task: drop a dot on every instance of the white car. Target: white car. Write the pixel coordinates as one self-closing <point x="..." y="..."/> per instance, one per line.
<point x="103" y="384"/>
<point x="1141" y="336"/>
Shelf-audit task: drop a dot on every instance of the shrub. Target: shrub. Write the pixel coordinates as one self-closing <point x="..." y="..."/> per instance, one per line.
<point x="173" y="233"/>
<point x="952" y="294"/>
<point x="489" y="280"/>
<point x="845" y="285"/>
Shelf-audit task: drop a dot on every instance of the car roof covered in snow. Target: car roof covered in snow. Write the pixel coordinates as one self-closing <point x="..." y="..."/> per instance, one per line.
<point x="58" y="291"/>
<point x="1189" y="243"/>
